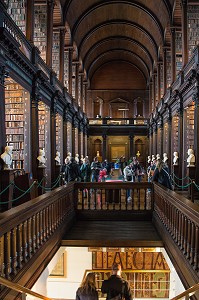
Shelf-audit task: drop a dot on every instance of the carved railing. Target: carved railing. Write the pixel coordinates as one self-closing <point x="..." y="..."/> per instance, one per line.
<point x="114" y="196"/>
<point x="119" y="121"/>
<point x="180" y="218"/>
<point x="28" y="228"/>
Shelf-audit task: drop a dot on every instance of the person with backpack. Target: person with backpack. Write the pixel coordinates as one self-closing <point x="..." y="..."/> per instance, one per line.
<point x="115" y="287"/>
<point x="161" y="175"/>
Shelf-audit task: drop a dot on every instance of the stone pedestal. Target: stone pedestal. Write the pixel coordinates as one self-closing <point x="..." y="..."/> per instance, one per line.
<point x="41" y="180"/>
<point x="6" y="177"/>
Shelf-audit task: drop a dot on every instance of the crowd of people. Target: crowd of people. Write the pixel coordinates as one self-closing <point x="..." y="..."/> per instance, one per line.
<point x="115" y="287"/>
<point x="80" y="169"/>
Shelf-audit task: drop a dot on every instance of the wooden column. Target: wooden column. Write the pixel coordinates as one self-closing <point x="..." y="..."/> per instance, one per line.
<point x="182" y="165"/>
<point x="85" y="100"/>
<point x="153" y="93"/>
<point x="65" y="150"/>
<point x="150" y="95"/>
<point x="158" y="81"/>
<point x="61" y="55"/>
<point x="164" y="70"/>
<point x="77" y="82"/>
<point x="70" y="70"/>
<point x="49" y="42"/>
<point x="53" y="137"/>
<point x="196" y="127"/>
<point x="131" y="146"/>
<point x="169" y="121"/>
<point x="173" y="55"/>
<point x="104" y="147"/>
<point x="184" y="33"/>
<point x="34" y="130"/>
<point x="161" y="138"/>
<point x="30" y="20"/>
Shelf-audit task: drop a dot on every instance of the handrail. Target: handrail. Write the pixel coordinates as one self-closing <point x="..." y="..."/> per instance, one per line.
<point x="19" y="288"/>
<point x="189" y="292"/>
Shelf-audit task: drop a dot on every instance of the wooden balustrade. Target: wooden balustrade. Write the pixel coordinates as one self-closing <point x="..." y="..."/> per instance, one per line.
<point x="26" y="228"/>
<point x="114" y="196"/>
<point x="181" y="219"/>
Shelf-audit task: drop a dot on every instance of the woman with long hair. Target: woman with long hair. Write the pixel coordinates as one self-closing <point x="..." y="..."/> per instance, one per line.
<point x="87" y="289"/>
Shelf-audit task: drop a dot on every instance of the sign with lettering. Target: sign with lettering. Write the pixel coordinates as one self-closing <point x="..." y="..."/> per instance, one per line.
<point x="129" y="260"/>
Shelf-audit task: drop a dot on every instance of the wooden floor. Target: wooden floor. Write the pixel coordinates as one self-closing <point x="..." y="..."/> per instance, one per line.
<point x="113" y="234"/>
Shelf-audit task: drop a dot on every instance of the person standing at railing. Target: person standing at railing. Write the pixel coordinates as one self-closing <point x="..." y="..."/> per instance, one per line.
<point x="85" y="171"/>
<point x="128" y="177"/>
<point x="72" y="171"/>
<point x="95" y="169"/>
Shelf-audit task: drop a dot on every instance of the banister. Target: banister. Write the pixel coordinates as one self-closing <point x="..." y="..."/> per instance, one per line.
<point x="189" y="292"/>
<point x="19" y="288"/>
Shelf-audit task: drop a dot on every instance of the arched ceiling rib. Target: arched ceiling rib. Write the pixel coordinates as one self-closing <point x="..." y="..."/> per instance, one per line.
<point x="112" y="43"/>
<point x="128" y="30"/>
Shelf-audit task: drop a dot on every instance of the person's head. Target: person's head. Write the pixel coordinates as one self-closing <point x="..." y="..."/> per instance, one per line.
<point x="116" y="269"/>
<point x="159" y="164"/>
<point x="88" y="282"/>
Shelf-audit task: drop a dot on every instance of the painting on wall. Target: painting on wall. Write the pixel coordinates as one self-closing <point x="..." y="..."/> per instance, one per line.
<point x="117" y="152"/>
<point x="59" y="270"/>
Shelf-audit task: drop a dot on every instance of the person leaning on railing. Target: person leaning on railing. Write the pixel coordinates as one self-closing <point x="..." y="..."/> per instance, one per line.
<point x="161" y="175"/>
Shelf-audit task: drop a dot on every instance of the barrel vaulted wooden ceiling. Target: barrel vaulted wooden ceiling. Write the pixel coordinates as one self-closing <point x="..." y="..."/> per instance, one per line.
<point x="107" y="31"/>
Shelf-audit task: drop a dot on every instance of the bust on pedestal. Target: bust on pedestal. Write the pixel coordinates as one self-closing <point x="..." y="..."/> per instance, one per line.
<point x="175" y="158"/>
<point x="7" y="158"/>
<point x="57" y="159"/>
<point x="191" y="158"/>
<point x="41" y="159"/>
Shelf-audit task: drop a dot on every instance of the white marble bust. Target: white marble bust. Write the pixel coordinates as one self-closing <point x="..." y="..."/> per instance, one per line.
<point x="77" y="158"/>
<point x="158" y="156"/>
<point x="165" y="158"/>
<point x="175" y="158"/>
<point x="191" y="158"/>
<point x="153" y="157"/>
<point x="7" y="158"/>
<point x="149" y="159"/>
<point x="41" y="158"/>
<point x="57" y="158"/>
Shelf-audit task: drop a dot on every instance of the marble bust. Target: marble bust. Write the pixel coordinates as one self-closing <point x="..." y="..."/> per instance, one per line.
<point x="191" y="158"/>
<point x="175" y="158"/>
<point x="165" y="158"/>
<point x="7" y="158"/>
<point x="57" y="158"/>
<point x="41" y="158"/>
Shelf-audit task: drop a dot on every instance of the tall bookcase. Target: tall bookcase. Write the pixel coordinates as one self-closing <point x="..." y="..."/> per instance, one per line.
<point x="40" y="29"/>
<point x="66" y="68"/>
<point x="55" y="52"/>
<point x="59" y="134"/>
<point x="193" y="27"/>
<point x="189" y="128"/>
<point x="17" y="11"/>
<point x="17" y="126"/>
<point x="178" y="52"/>
<point x="168" y="66"/>
<point x="175" y="130"/>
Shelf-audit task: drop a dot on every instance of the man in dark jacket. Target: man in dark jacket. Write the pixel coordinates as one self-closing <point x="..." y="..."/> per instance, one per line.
<point x="115" y="285"/>
<point x="72" y="171"/>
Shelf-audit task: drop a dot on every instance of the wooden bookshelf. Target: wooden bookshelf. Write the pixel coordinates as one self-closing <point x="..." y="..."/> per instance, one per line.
<point x="55" y="52"/>
<point x="42" y="124"/>
<point x="66" y="69"/>
<point x="17" y="11"/>
<point x="15" y="98"/>
<point x="175" y="131"/>
<point x="189" y="128"/>
<point x="59" y="133"/>
<point x="40" y="29"/>
<point x="168" y="66"/>
<point x="178" y="52"/>
<point x="193" y="26"/>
